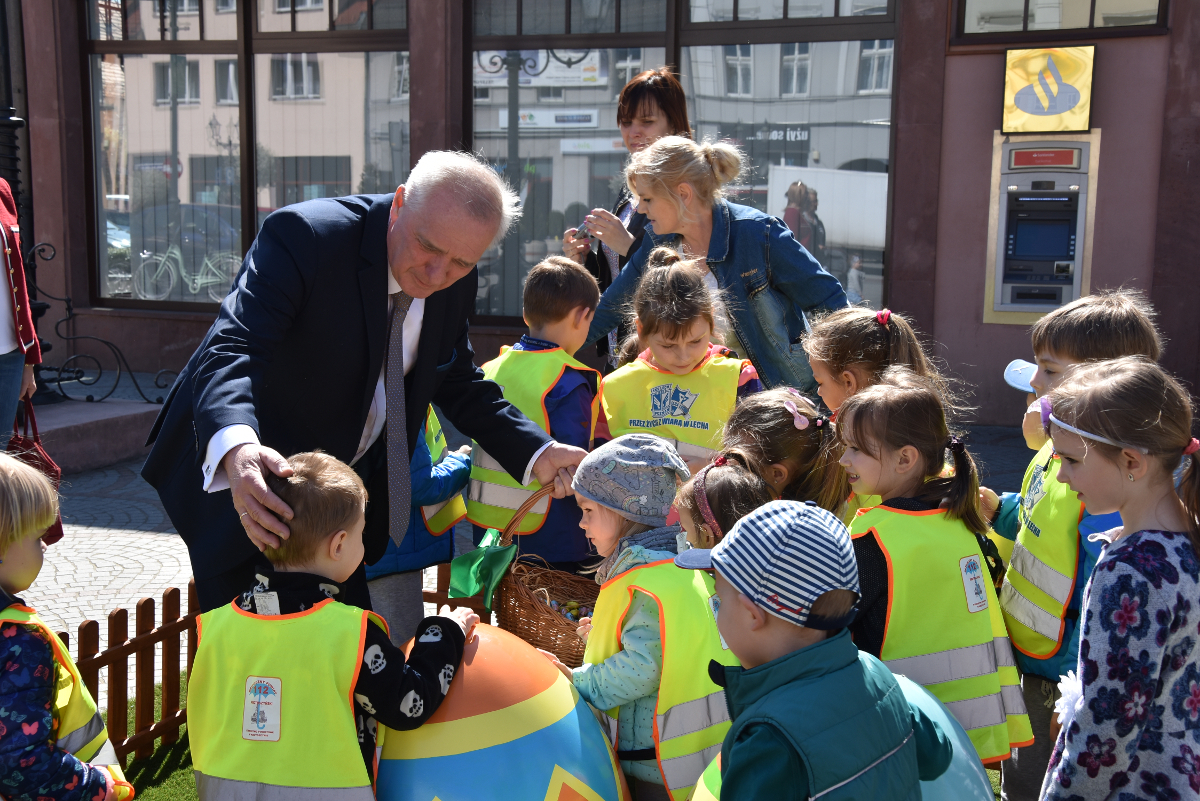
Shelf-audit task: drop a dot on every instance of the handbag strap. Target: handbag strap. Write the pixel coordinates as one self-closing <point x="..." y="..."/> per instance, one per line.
<point x="30" y="419"/>
<point x="514" y="525"/>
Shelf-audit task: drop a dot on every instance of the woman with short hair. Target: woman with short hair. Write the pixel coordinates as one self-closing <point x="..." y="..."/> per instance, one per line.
<point x="764" y="279"/>
<point x="652" y="105"/>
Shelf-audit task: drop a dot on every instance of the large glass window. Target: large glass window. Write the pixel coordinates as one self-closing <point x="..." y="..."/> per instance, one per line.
<point x="564" y="152"/>
<point x="826" y="147"/>
<point x="1006" y="16"/>
<point x="179" y="188"/>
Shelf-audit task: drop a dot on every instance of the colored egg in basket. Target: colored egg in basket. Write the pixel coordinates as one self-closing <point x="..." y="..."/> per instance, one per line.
<point x="511" y="727"/>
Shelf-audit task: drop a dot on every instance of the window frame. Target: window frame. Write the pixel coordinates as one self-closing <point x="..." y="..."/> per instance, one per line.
<point x="188" y="99"/>
<point x="875" y="54"/>
<point x="964" y="42"/>
<point x="249" y="43"/>
<point x="795" y="60"/>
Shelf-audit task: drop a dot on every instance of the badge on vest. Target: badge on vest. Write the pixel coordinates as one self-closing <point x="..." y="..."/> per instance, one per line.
<point x="669" y="401"/>
<point x="260" y="715"/>
<point x="972" y="576"/>
<point x="714" y="605"/>
<point x="1035" y="493"/>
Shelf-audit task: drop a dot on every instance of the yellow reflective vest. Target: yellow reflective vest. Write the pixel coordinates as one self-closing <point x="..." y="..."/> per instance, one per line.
<point x="80" y="728"/>
<point x="269" y="721"/>
<point x="525" y="377"/>
<point x="691" y="718"/>
<point x="1041" y="572"/>
<point x="689" y="410"/>
<point x="440" y="517"/>
<point x="709" y="786"/>
<point x="944" y="626"/>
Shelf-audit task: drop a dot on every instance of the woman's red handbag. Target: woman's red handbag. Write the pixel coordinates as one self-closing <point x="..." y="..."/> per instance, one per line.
<point x="30" y="451"/>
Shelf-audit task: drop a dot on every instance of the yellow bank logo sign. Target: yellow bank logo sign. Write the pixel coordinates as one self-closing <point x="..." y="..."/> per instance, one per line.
<point x="1048" y="89"/>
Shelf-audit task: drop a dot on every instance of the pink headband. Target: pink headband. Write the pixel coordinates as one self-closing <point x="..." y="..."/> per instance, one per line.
<point x="1192" y="447"/>
<point x="702" y="497"/>
<point x="800" y="420"/>
<point x="882" y="316"/>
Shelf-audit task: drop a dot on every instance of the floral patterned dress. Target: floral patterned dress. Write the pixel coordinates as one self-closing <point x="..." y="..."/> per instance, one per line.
<point x="1136" y="729"/>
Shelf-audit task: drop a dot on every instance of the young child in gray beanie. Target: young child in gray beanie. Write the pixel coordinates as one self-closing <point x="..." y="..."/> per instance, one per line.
<point x="626" y="488"/>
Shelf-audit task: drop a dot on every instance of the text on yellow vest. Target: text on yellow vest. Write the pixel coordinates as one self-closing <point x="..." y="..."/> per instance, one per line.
<point x="440" y="517"/>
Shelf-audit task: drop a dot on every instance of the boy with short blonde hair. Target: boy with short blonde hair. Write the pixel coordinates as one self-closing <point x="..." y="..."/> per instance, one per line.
<point x="287" y="657"/>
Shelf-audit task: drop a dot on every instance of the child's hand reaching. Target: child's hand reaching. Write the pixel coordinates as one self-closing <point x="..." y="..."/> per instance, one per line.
<point x="989" y="502"/>
<point x="585" y="625"/>
<point x="464" y="617"/>
<point x="566" y="671"/>
<point x="465" y="450"/>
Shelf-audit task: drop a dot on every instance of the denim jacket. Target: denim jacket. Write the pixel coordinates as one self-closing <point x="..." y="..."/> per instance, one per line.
<point x="770" y="282"/>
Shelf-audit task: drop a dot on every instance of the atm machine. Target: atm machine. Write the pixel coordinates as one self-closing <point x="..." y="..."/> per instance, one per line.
<point x="1043" y="223"/>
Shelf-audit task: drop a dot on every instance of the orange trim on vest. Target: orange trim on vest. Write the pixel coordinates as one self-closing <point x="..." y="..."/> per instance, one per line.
<point x="290" y="616"/>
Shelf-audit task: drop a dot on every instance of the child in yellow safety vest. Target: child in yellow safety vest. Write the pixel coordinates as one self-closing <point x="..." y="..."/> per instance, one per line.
<point x="928" y="607"/>
<point x="53" y="743"/>
<point x="793" y="446"/>
<point x="1044" y="531"/>
<point x="541" y="376"/>
<point x="682" y="386"/>
<point x="850" y="348"/>
<point x="653" y="632"/>
<point x="289" y="684"/>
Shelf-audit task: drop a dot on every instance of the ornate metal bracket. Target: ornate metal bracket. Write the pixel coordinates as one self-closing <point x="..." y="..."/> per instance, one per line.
<point x="514" y="60"/>
<point x="71" y="369"/>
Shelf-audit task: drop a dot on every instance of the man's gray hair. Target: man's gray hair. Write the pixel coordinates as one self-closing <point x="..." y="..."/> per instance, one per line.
<point x="472" y="184"/>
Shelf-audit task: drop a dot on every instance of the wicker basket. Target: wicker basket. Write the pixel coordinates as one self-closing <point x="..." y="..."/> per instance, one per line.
<point x="522" y="599"/>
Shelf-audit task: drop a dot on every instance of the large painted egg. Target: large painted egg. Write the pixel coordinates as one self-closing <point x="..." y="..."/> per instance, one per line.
<point x="965" y="779"/>
<point x="511" y="727"/>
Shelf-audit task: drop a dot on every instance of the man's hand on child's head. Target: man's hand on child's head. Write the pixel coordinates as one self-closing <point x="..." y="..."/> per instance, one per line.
<point x="585" y="625"/>
<point x="563" y="669"/>
<point x="463" y="616"/>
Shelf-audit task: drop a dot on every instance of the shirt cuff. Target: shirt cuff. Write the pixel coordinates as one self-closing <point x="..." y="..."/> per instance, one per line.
<point x="222" y="442"/>
<point x="529" y="470"/>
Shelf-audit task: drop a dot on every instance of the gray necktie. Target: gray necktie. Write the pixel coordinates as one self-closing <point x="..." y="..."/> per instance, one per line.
<point x="399" y="480"/>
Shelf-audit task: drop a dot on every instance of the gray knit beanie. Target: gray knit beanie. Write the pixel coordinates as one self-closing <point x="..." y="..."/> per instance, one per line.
<point x="634" y="475"/>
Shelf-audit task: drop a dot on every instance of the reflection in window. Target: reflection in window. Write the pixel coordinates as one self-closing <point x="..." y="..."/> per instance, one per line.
<point x="793" y="69"/>
<point x="739" y="71"/>
<point x="188" y="87"/>
<point x="993" y="16"/>
<point x="643" y="15"/>
<point x="178" y="6"/>
<point x="1112" y="13"/>
<point x="875" y="66"/>
<point x="816" y="157"/>
<point x="1052" y="15"/>
<point x="401" y="90"/>
<point x="168" y="220"/>
<point x="227" y="81"/>
<point x="295" y="76"/>
<point x="300" y="5"/>
<point x="593" y="16"/>
<point x="627" y="62"/>
<point x="226" y="5"/>
<point x="998" y="16"/>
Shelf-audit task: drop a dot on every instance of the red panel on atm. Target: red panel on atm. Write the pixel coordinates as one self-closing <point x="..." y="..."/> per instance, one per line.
<point x="1050" y="157"/>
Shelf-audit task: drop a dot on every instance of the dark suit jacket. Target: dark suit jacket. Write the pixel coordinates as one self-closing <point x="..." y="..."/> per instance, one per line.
<point x="295" y="354"/>
<point x="597" y="264"/>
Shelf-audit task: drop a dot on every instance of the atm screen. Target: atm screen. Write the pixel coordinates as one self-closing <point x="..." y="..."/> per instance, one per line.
<point x="1049" y="239"/>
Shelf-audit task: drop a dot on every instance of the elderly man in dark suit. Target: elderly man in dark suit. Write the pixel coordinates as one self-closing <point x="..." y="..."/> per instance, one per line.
<point x="335" y="296"/>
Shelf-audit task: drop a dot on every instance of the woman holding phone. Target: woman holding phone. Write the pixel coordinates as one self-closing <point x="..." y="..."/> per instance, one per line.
<point x="651" y="106"/>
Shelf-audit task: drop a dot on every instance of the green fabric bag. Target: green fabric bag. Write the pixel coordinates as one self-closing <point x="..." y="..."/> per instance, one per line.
<point x="481" y="569"/>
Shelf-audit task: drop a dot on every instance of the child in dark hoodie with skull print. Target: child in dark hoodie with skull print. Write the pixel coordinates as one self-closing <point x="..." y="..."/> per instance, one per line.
<point x="305" y="580"/>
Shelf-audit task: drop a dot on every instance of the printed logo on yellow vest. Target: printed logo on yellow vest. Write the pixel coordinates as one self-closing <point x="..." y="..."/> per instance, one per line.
<point x="668" y="402"/>
<point x="1037" y="491"/>
<point x="260" y="715"/>
<point x="972" y="576"/>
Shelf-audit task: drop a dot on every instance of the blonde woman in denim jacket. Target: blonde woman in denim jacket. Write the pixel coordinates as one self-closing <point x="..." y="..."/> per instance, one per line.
<point x="765" y="280"/>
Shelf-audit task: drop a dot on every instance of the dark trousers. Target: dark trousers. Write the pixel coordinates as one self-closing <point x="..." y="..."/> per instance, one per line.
<point x="222" y="588"/>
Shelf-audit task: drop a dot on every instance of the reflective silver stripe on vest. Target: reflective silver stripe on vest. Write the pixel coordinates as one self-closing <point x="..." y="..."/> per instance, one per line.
<point x="481" y="458"/>
<point x="903" y="743"/>
<point x="693" y="716"/>
<point x="432" y="510"/>
<point x="1041" y="575"/>
<point x="1004" y="655"/>
<point x="1027" y="612"/>
<point x="1013" y="700"/>
<point x="211" y="788"/>
<point x="505" y="497"/>
<point x="690" y="451"/>
<point x="684" y="771"/>
<point x="79" y="738"/>
<point x="107" y="755"/>
<point x="957" y="663"/>
<point x="978" y="713"/>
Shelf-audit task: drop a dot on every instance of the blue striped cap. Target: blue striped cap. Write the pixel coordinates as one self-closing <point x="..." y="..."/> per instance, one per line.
<point x="785" y="555"/>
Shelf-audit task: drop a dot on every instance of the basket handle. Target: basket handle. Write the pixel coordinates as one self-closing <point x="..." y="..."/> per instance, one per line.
<point x="515" y="524"/>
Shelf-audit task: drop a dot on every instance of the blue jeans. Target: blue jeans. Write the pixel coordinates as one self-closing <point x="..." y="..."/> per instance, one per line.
<point x="12" y="369"/>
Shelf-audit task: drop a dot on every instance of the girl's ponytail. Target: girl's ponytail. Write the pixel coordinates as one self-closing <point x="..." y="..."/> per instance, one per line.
<point x="1189" y="491"/>
<point x="962" y="488"/>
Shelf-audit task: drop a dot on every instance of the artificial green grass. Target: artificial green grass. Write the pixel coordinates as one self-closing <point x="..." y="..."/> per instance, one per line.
<point x="166" y="775"/>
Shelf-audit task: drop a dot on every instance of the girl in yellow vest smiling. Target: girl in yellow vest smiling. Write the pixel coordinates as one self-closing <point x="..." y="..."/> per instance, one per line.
<point x="653" y="632"/>
<point x="928" y="608"/>
<point x="682" y="387"/>
<point x="53" y="744"/>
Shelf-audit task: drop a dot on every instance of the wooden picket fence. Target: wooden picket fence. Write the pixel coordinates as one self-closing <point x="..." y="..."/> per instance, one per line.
<point x="115" y="658"/>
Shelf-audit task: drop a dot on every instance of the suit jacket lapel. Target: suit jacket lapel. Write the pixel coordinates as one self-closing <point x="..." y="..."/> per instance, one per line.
<point x="372" y="285"/>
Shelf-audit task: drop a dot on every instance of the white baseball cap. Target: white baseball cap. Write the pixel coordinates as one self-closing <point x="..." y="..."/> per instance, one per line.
<point x="1019" y="373"/>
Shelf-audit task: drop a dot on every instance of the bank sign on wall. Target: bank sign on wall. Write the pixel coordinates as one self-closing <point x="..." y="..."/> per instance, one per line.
<point x="540" y="68"/>
<point x="1048" y="90"/>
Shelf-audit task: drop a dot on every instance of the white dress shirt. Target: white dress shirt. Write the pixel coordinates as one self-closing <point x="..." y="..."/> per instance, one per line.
<point x="229" y="437"/>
